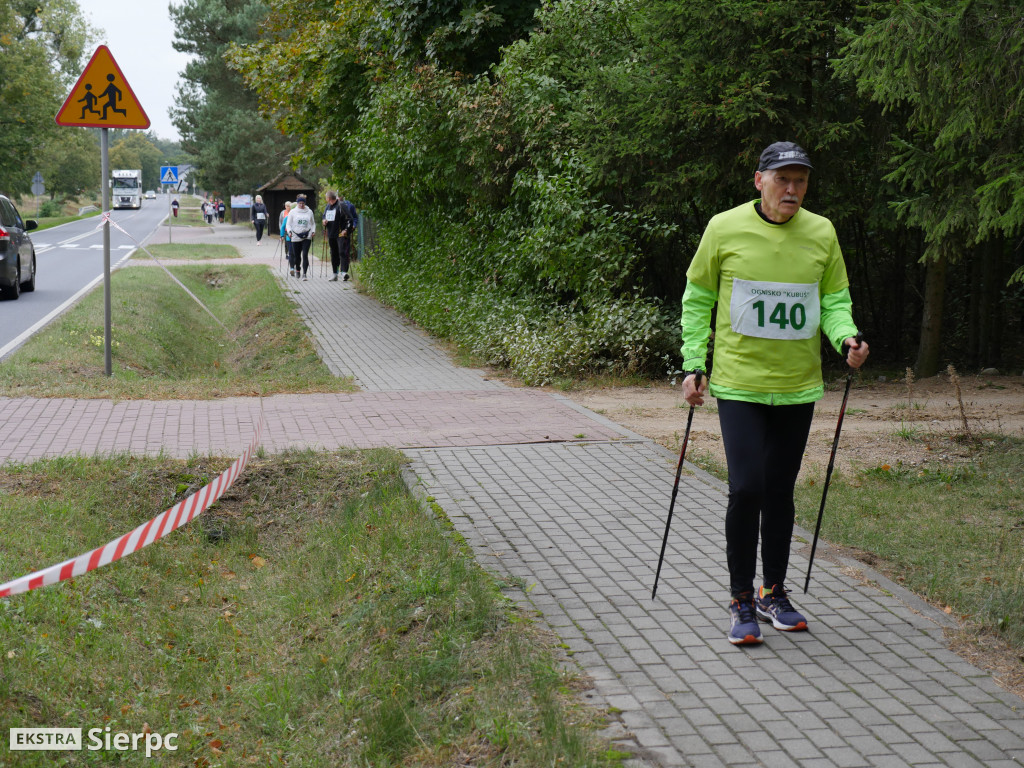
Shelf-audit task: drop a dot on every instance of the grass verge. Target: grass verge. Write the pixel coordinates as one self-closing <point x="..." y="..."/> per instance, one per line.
<point x="189" y="216"/>
<point x="191" y="251"/>
<point x="954" y="534"/>
<point x="315" y="616"/>
<point x="165" y="346"/>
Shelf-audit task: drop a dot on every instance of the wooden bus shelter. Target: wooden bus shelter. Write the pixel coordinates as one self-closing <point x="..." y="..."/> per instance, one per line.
<point x="283" y="188"/>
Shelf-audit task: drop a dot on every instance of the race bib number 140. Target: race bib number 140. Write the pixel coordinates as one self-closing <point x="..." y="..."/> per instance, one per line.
<point x="775" y="310"/>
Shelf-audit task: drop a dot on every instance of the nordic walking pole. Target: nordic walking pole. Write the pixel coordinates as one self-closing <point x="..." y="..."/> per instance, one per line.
<point x="828" y="472"/>
<point x="323" y="252"/>
<point x="675" y="488"/>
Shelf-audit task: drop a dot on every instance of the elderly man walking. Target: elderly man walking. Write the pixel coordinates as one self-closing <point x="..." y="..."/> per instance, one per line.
<point x="778" y="276"/>
<point x="337" y="229"/>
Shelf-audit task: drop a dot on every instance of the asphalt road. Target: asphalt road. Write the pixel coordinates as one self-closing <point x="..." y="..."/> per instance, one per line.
<point x="69" y="263"/>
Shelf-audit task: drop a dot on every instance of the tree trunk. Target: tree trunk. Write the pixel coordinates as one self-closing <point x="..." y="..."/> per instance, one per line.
<point x="974" y="315"/>
<point x="865" y="280"/>
<point x="929" y="350"/>
<point x="995" y="282"/>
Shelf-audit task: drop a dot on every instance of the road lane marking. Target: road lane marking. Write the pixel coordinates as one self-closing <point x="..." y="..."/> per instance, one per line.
<point x="12" y="345"/>
<point x="69" y="243"/>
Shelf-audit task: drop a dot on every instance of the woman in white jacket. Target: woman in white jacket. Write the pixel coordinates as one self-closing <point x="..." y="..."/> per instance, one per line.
<point x="301" y="227"/>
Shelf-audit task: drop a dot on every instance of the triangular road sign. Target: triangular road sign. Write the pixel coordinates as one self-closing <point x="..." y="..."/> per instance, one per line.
<point x="102" y="97"/>
<point x="170" y="176"/>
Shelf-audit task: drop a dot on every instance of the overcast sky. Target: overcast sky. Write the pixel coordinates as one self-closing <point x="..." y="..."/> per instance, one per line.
<point x="139" y="35"/>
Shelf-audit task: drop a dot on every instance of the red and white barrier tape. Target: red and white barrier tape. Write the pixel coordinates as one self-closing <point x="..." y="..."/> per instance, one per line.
<point x="170" y="519"/>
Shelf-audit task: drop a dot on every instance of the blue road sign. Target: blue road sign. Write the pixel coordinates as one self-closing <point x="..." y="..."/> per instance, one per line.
<point x="168" y="174"/>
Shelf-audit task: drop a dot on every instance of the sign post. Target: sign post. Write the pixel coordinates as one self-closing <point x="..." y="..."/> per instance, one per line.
<point x="38" y="188"/>
<point x="108" y="366"/>
<point x="107" y="101"/>
<point x="168" y="175"/>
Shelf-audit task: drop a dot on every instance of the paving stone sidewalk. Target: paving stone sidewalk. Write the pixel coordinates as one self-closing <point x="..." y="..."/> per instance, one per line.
<point x="577" y="522"/>
<point x="399" y="419"/>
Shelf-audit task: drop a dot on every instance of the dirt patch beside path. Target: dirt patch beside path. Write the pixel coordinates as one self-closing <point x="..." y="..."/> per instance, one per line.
<point x="885" y="422"/>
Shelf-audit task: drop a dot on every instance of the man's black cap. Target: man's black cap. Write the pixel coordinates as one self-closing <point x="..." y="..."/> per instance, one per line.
<point x="783" y="153"/>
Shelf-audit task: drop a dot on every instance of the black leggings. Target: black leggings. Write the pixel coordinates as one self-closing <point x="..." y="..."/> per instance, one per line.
<point x="764" y="446"/>
<point x="300" y="254"/>
<point x="259" y="229"/>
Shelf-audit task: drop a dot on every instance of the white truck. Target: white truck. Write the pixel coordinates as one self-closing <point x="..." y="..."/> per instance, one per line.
<point x="126" y="189"/>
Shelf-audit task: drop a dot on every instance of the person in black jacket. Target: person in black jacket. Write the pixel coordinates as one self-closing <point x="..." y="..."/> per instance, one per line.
<point x="338" y="227"/>
<point x="353" y="233"/>
<point x="259" y="217"/>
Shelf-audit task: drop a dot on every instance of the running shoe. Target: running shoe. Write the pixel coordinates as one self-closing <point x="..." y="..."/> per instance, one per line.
<point x="774" y="606"/>
<point x="743" y="629"/>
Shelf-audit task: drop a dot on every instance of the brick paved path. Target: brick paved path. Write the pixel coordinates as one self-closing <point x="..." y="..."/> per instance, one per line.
<point x="401" y="419"/>
<point x="578" y="522"/>
<point x="872" y="683"/>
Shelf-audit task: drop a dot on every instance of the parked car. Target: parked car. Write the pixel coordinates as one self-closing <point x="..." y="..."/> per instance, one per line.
<point x="151" y="195"/>
<point x="17" y="254"/>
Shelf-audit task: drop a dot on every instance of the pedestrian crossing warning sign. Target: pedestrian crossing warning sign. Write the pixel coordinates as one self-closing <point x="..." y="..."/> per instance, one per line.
<point x="102" y="97"/>
<point x="168" y="174"/>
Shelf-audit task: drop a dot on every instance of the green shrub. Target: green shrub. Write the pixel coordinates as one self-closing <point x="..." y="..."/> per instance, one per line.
<point x="473" y="288"/>
<point x="51" y="208"/>
<point x="520" y="262"/>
